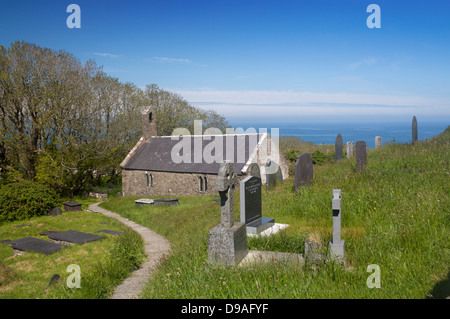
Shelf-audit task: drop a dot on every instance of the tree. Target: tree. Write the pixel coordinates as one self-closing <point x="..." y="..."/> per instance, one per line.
<point x="67" y="124"/>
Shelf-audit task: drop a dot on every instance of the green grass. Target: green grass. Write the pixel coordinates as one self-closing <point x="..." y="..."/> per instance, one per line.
<point x="103" y="264"/>
<point x="394" y="214"/>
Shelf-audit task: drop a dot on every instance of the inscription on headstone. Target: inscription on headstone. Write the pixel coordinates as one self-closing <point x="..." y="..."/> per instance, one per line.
<point x="250" y="205"/>
<point x="415" y="133"/>
<point x="304" y="170"/>
<point x="338" y="148"/>
<point x="361" y="156"/>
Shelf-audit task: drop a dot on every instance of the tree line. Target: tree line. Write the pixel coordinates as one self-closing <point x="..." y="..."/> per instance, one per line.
<point x="65" y="124"/>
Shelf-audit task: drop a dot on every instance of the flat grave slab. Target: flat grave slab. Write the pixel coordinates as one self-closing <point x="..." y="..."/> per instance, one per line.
<point x="144" y="201"/>
<point x="157" y="202"/>
<point x="110" y="232"/>
<point x="73" y="236"/>
<point x="47" y="232"/>
<point x="37" y="245"/>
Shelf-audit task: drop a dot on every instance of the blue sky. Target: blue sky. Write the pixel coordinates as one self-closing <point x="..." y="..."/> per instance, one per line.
<point x="284" y="60"/>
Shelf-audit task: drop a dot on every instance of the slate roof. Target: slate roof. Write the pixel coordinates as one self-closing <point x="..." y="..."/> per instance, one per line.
<point x="156" y="153"/>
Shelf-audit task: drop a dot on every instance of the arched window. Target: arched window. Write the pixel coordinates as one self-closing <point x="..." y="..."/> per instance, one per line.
<point x="206" y="184"/>
<point x="200" y="184"/>
<point x="149" y="178"/>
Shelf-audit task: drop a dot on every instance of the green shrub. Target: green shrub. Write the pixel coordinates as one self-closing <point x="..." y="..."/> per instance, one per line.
<point x="25" y="199"/>
<point x="320" y="158"/>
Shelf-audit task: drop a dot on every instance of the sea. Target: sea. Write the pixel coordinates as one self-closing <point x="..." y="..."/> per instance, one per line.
<point x="325" y="132"/>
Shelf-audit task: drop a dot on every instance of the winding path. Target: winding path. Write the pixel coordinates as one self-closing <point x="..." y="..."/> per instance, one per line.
<point x="156" y="248"/>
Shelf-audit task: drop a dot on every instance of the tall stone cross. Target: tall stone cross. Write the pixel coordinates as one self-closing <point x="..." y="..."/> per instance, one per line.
<point x="225" y="184"/>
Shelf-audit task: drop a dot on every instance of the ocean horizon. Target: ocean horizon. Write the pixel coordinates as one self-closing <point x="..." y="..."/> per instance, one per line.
<point x="325" y="133"/>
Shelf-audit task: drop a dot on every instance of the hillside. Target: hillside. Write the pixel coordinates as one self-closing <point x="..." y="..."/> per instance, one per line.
<point x="395" y="214"/>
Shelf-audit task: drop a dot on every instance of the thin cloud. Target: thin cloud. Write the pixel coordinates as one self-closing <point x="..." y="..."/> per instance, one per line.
<point x="105" y="54"/>
<point x="290" y="103"/>
<point x="366" y="61"/>
<point x="171" y="60"/>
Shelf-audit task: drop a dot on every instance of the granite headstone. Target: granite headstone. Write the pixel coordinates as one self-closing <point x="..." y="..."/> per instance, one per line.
<point x="274" y="175"/>
<point x="415" y="133"/>
<point x="338" y="147"/>
<point x="304" y="170"/>
<point x="361" y="156"/>
<point x="250" y="205"/>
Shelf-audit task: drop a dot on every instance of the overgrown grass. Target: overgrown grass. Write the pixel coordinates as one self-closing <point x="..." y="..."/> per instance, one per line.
<point x="103" y="264"/>
<point x="394" y="214"/>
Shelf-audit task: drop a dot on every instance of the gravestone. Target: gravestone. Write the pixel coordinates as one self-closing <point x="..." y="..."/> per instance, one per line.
<point x="274" y="175"/>
<point x="227" y="243"/>
<point x="253" y="170"/>
<point x="313" y="254"/>
<point x="304" y="170"/>
<point x="54" y="211"/>
<point x="35" y="244"/>
<point x="378" y="143"/>
<point x="415" y="133"/>
<point x="336" y="246"/>
<point x="251" y="216"/>
<point x="338" y="147"/>
<point x="73" y="236"/>
<point x="350" y="149"/>
<point x="361" y="156"/>
<point x="72" y="206"/>
<point x="53" y="278"/>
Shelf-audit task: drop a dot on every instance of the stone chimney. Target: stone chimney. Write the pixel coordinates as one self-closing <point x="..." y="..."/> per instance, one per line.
<point x="148" y="123"/>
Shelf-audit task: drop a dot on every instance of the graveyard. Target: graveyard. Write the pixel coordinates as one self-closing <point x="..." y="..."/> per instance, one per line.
<point x="394" y="213"/>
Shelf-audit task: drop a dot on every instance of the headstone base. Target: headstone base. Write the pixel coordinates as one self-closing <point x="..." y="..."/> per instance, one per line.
<point x="227" y="245"/>
<point x="260" y="225"/>
<point x="336" y="251"/>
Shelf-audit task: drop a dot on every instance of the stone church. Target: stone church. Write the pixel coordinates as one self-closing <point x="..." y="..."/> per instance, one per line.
<point x="189" y="164"/>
